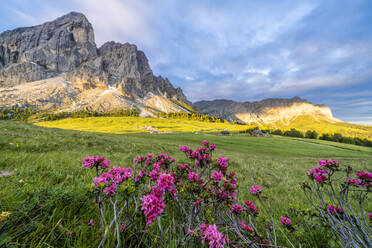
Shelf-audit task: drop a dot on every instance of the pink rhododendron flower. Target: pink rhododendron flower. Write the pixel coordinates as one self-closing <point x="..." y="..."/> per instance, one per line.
<point x="111" y="190"/>
<point x="245" y="226"/>
<point x="215" y="238"/>
<point x="193" y="176"/>
<point x="255" y="190"/>
<point x="318" y="174"/>
<point x="205" y="143"/>
<point x="334" y="209"/>
<point x="237" y="208"/>
<point x="69" y="233"/>
<point x="223" y="163"/>
<point x="152" y="206"/>
<point x="285" y="221"/>
<point x="165" y="182"/>
<point x="119" y="174"/>
<point x="364" y="175"/>
<point x="251" y="207"/>
<point x="370" y="216"/>
<point x="350" y="180"/>
<point x="212" y="147"/>
<point x="217" y="176"/>
<point x="185" y="149"/>
<point x="91" y="222"/>
<point x="97" y="161"/>
<point x="198" y="201"/>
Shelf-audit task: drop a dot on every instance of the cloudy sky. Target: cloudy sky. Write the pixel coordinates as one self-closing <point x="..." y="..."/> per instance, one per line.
<point x="241" y="50"/>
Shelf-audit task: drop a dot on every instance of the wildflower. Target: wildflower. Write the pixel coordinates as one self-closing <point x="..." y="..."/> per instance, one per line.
<point x="91" y="222"/>
<point x="118" y="174"/>
<point x="152" y="206"/>
<point x="245" y="226"/>
<point x="255" y="190"/>
<point x="334" y="209"/>
<point x="193" y="176"/>
<point x="185" y="149"/>
<point x="111" y="190"/>
<point x="237" y="208"/>
<point x="205" y="143"/>
<point x="198" y="201"/>
<point x="318" y="174"/>
<point x="285" y="221"/>
<point x="165" y="182"/>
<point x="215" y="238"/>
<point x="97" y="161"/>
<point x="212" y="147"/>
<point x="222" y="162"/>
<point x="69" y="233"/>
<point x="122" y="228"/>
<point x="251" y="207"/>
<point x="217" y="176"/>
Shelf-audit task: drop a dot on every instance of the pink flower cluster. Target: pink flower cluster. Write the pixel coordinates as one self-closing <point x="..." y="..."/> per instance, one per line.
<point x="223" y="163"/>
<point x="318" y="174"/>
<point x="255" y="190"/>
<point x="285" y="221"/>
<point x="245" y="226"/>
<point x="328" y="163"/>
<point x="138" y="160"/>
<point x="251" y="207"/>
<point x="193" y="176"/>
<point x="215" y="238"/>
<point x="95" y="161"/>
<point x="365" y="179"/>
<point x="165" y="182"/>
<point x="236" y="208"/>
<point x="152" y="205"/>
<point x="334" y="209"/>
<point x="217" y="176"/>
<point x="370" y="216"/>
<point x="112" y="178"/>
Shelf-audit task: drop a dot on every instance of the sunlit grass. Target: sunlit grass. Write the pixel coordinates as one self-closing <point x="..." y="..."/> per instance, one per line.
<point x="120" y="125"/>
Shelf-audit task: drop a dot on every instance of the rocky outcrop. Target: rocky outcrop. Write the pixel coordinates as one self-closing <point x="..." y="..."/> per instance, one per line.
<point x="64" y="51"/>
<point x="266" y="111"/>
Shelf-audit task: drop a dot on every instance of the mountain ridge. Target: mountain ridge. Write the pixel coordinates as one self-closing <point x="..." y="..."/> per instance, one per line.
<point x="266" y="111"/>
<point x="63" y="52"/>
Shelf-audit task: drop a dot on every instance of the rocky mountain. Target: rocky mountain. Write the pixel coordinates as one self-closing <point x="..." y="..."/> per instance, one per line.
<point x="57" y="66"/>
<point x="267" y="111"/>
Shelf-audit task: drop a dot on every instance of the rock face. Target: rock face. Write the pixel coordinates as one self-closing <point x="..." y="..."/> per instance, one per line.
<point x="61" y="56"/>
<point x="266" y="111"/>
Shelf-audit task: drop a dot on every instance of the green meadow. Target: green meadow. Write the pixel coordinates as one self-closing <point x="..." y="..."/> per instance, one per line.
<point x="47" y="194"/>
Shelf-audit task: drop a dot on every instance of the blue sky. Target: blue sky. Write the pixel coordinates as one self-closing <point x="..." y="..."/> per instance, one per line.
<point x="241" y="50"/>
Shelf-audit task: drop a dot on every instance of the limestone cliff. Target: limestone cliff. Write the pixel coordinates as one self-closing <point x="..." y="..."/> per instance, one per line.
<point x="57" y="66"/>
<point x="266" y="111"/>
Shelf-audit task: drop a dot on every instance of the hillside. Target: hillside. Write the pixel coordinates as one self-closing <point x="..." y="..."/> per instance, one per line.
<point x="56" y="66"/>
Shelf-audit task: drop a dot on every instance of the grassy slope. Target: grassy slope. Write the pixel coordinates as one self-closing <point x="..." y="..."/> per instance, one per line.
<point x="305" y="123"/>
<point x="51" y="200"/>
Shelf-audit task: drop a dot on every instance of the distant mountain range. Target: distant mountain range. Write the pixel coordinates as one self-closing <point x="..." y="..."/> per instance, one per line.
<point x="268" y="111"/>
<point x="56" y="66"/>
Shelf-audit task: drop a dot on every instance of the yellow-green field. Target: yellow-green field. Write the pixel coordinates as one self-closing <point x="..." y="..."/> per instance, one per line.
<point x="304" y="123"/>
<point x="121" y="125"/>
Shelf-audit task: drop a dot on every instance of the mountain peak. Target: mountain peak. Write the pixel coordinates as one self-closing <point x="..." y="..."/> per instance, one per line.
<point x="62" y="55"/>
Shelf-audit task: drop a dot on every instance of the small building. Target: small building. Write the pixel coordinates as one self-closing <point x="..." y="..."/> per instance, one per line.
<point x="225" y="133"/>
